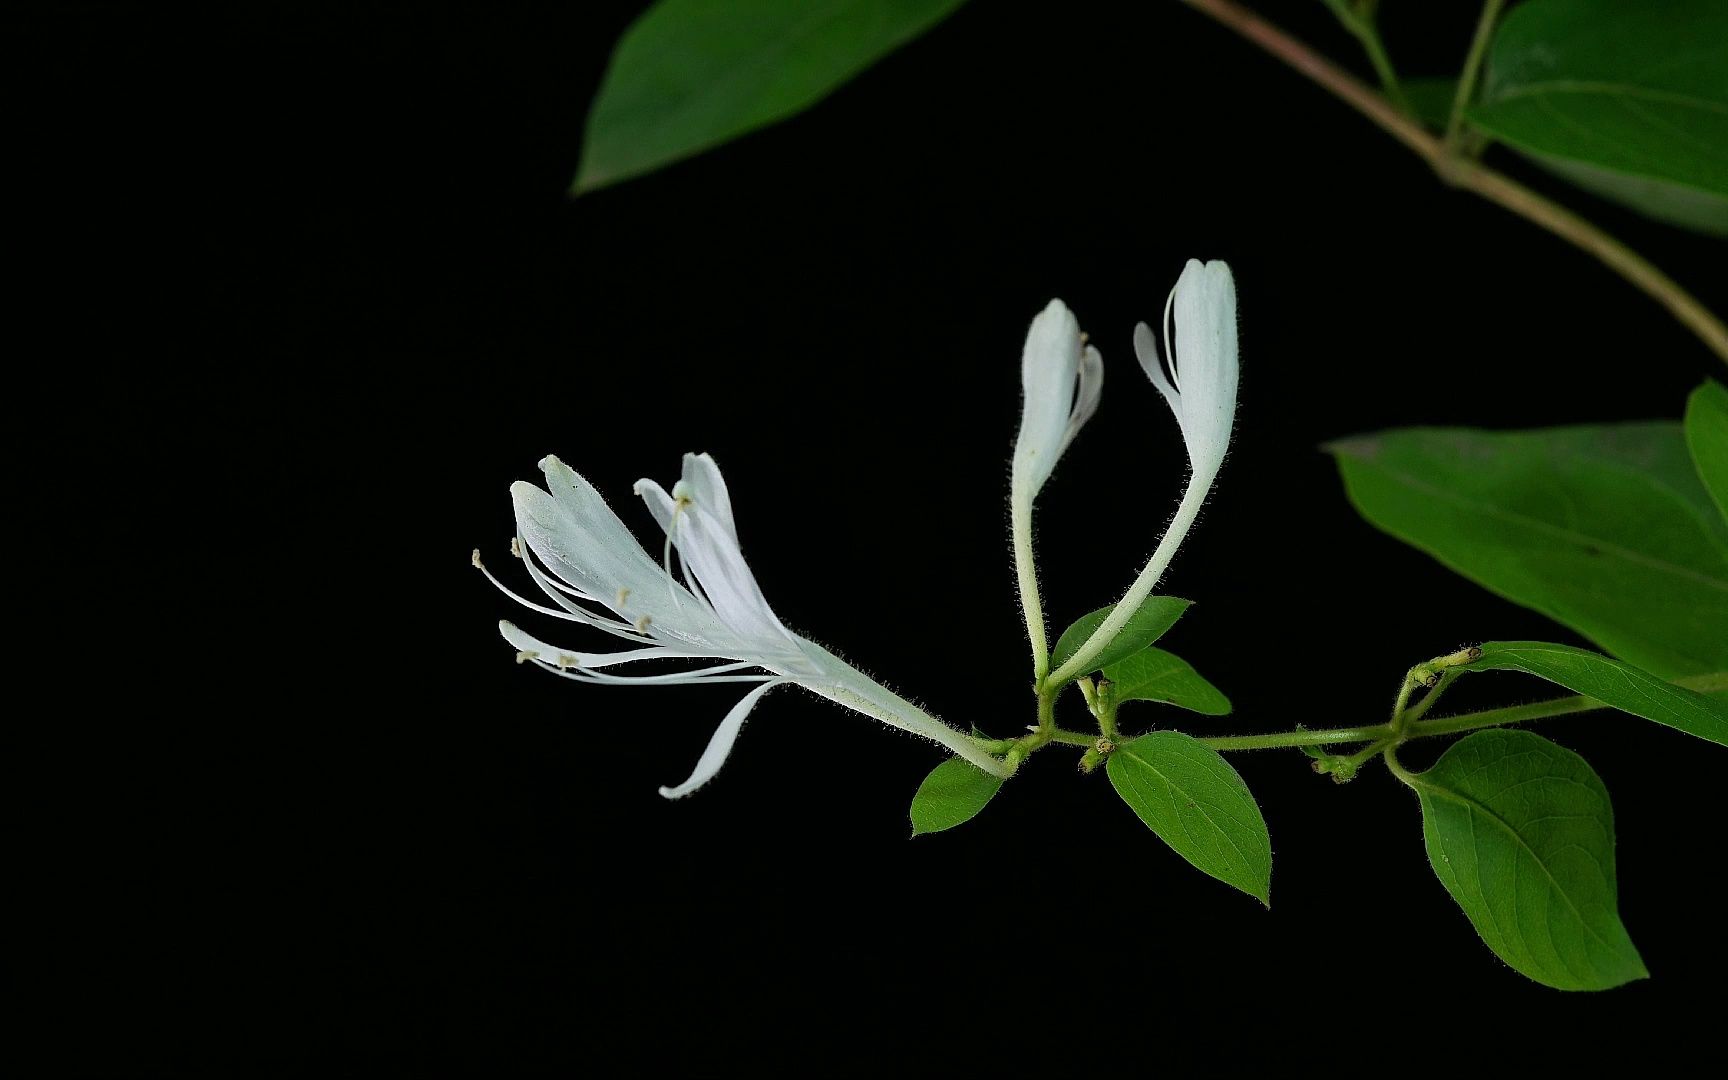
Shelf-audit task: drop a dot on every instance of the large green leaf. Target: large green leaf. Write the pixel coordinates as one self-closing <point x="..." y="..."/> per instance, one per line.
<point x="1191" y="797"/>
<point x="1621" y="686"/>
<point x="1605" y="529"/>
<point x="1150" y="620"/>
<point x="689" y="75"/>
<point x="1156" y="675"/>
<point x="1707" y="438"/>
<point x="1626" y="98"/>
<point x="1521" y="833"/>
<point x="953" y="794"/>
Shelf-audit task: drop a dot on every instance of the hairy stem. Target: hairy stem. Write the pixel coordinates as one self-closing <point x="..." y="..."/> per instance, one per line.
<point x="1300" y="737"/>
<point x="1081" y="661"/>
<point x="1020" y="513"/>
<point x="1471" y="175"/>
<point x="1415" y="728"/>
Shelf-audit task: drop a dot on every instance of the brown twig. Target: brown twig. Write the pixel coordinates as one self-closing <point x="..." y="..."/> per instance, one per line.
<point x="1465" y="172"/>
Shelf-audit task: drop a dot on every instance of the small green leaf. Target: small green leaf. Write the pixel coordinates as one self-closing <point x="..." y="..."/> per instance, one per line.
<point x="953" y="794"/>
<point x="1191" y="797"/>
<point x="1155" y="615"/>
<point x="1156" y="675"/>
<point x="1606" y="530"/>
<point x="1707" y="438"/>
<point x="1621" y="686"/>
<point x="689" y="75"/>
<point x="1521" y="833"/>
<point x="1626" y="99"/>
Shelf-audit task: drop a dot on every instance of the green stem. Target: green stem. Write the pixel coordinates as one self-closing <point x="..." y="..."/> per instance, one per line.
<point x="1398" y="770"/>
<point x="1345" y="767"/>
<point x="1362" y="28"/>
<point x="1514" y="714"/>
<point x="1473" y="175"/>
<point x="1417" y="711"/>
<point x="1020" y="515"/>
<point x="1472" y="68"/>
<point x="1416" y="728"/>
<point x="1073" y="738"/>
<point x="1081" y="661"/>
<point x="1300" y="737"/>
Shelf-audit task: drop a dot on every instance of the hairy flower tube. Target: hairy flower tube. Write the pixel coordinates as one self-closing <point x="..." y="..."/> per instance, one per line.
<point x="1061" y="380"/>
<point x="1200" y="341"/>
<point x="586" y="561"/>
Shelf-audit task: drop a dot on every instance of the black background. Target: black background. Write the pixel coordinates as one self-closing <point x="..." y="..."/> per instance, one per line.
<point x="317" y="818"/>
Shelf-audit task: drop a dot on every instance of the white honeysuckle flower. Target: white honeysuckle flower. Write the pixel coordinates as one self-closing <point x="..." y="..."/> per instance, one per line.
<point x="1201" y="391"/>
<point x="1062" y="378"/>
<point x="596" y="573"/>
<point x="1201" y="386"/>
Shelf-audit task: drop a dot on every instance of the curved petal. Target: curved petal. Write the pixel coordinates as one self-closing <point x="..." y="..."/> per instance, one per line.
<point x="1146" y="350"/>
<point x="1049" y="366"/>
<point x="1087" y="394"/>
<point x="720" y="745"/>
<point x="705" y="486"/>
<point x="708" y="542"/>
<point x="1206" y="362"/>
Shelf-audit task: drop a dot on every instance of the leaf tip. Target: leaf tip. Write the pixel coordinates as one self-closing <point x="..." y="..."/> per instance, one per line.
<point x="1360" y="447"/>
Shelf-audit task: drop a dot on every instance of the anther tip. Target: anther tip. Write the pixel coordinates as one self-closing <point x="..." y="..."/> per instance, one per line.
<point x="475" y="559"/>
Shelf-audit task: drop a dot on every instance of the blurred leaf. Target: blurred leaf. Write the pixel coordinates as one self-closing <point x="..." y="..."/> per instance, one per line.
<point x="1156" y="675"/>
<point x="1604" y="529"/>
<point x="1626" y="99"/>
<point x="953" y="794"/>
<point x="1191" y="797"/>
<point x="1521" y="833"/>
<point x="1155" y="615"/>
<point x="689" y="75"/>
<point x="1707" y="438"/>
<point x="1621" y="686"/>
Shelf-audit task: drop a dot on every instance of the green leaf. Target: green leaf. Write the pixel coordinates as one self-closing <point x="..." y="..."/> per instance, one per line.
<point x="1521" y="833"/>
<point x="1191" y="797"/>
<point x="1431" y="99"/>
<point x="953" y="794"/>
<point x="1155" y="615"/>
<point x="689" y="75"/>
<point x="1621" y="686"/>
<point x="1707" y="438"/>
<point x="1156" y="675"/>
<point x="1626" y="99"/>
<point x="1604" y="529"/>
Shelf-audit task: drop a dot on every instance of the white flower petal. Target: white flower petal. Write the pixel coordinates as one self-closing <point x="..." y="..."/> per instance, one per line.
<point x="1206" y="361"/>
<point x="707" y="488"/>
<point x="708" y="544"/>
<point x="1146" y="350"/>
<point x="1049" y="366"/>
<point x="1086" y="395"/>
<point x="720" y="746"/>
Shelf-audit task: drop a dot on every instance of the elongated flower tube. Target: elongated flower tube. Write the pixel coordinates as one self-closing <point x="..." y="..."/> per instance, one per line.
<point x="1062" y="379"/>
<point x="1201" y="391"/>
<point x="596" y="574"/>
